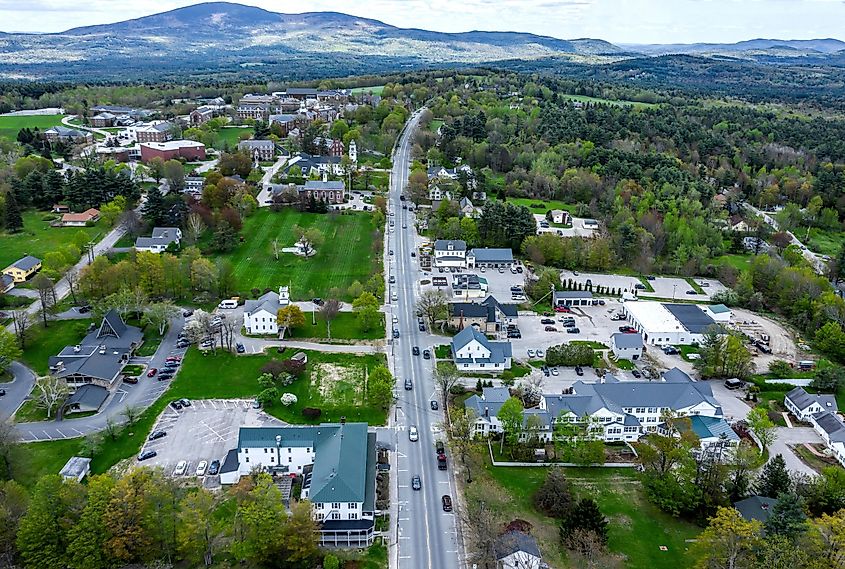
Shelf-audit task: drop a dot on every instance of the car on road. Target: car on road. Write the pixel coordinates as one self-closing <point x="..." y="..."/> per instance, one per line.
<point x="176" y="405"/>
<point x="240" y="348"/>
<point x="579" y="370"/>
<point x="547" y="321"/>
<point x="530" y="353"/>
<point x="395" y="333"/>
<point x="415" y="350"/>
<point x="157" y="435"/>
<point x="426" y="354"/>
<point x="550" y="329"/>
<point x="181" y="467"/>
<point x="413" y="434"/>
<point x="434" y="405"/>
<point x="446" y="500"/>
<point x="409" y="385"/>
<point x="201" y="468"/>
<point x="575" y="330"/>
<point x="146" y="455"/>
<point x="636" y="373"/>
<point x="392" y="279"/>
<point x="214" y="467"/>
<point x="422" y="327"/>
<point x="391" y="251"/>
<point x="152" y="371"/>
<point x="187" y="312"/>
<point x="416" y="483"/>
<point x="317" y="301"/>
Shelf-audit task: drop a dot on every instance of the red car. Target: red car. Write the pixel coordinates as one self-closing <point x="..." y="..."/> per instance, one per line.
<point x="152" y="372"/>
<point x="173" y="359"/>
<point x="562" y="309"/>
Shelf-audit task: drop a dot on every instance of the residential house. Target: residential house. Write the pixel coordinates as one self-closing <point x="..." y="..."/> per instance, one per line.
<point x="714" y="435"/>
<point x="831" y="429"/>
<point x="738" y="224"/>
<point x="756" y="508"/>
<point x="260" y="315"/>
<point x="626" y="346"/>
<point x="103" y="120"/>
<point x="572" y="298"/>
<point x="561" y="217"/>
<point x="194" y="184"/>
<point x="450" y="253"/>
<point x="804" y="405"/>
<point x="160" y="240"/>
<point x="450" y="173"/>
<point x="467" y="209"/>
<point x="7" y="283"/>
<point x="100" y="357"/>
<point x="174" y="149"/>
<point x="437" y="193"/>
<point x="489" y="315"/>
<point x="311" y="165"/>
<point x="337" y="465"/>
<point x="469" y="286"/>
<point x="90" y="215"/>
<point x="612" y="410"/>
<point x="76" y="468"/>
<point x="23" y="268"/>
<point x="472" y="351"/>
<point x="259" y="150"/>
<point x="201" y="115"/>
<point x="156" y="131"/>
<point x="517" y="550"/>
<point x="68" y="135"/>
<point x="490" y="257"/>
<point x="329" y="191"/>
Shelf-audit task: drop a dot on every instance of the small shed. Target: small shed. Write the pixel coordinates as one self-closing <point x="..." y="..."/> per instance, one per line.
<point x="76" y="468"/>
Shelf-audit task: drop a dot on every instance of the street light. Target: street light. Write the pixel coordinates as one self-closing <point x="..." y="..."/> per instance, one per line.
<point x="674" y="288"/>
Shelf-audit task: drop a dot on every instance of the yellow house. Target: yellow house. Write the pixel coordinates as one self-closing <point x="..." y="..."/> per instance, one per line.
<point x="23" y="268"/>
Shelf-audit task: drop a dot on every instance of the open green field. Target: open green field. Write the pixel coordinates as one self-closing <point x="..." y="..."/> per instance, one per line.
<point x="344" y="327"/>
<point x="9" y="126"/>
<point x="334" y="383"/>
<point x="435" y="124"/>
<point x="586" y="99"/>
<point x="45" y="342"/>
<point x="637" y="528"/>
<point x="343" y="259"/>
<point x="544" y="205"/>
<point x="38" y="238"/>
<point x="739" y="262"/>
<point x="375" y="90"/>
<point x="825" y="241"/>
<point x="230" y="135"/>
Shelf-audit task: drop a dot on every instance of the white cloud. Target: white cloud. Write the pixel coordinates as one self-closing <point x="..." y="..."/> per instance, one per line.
<point x="621" y="21"/>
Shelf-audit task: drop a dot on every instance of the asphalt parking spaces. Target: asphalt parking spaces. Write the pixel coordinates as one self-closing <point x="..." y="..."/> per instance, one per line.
<point x="206" y="430"/>
<point x="664" y="287"/>
<point x="498" y="283"/>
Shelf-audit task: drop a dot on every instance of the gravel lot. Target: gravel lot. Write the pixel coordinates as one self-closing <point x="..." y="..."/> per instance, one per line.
<point x="206" y="430"/>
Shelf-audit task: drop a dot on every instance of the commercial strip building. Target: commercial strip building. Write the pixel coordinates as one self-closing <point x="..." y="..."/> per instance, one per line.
<point x="337" y="465"/>
<point x="663" y="324"/>
<point x="450" y="253"/>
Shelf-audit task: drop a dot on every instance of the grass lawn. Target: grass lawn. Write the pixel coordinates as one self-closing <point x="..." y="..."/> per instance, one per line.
<point x="375" y="90"/>
<point x="30" y="461"/>
<point x="623" y="364"/>
<point x="824" y="241"/>
<point x="344" y="258"/>
<point x="43" y="343"/>
<point x="739" y="262"/>
<point x="344" y="327"/>
<point x="586" y="99"/>
<point x="332" y="382"/>
<point x="542" y="206"/>
<point x="230" y="135"/>
<point x="435" y="125"/>
<point x="591" y="343"/>
<point x="637" y="528"/>
<point x="694" y="285"/>
<point x="30" y="412"/>
<point x="443" y="352"/>
<point x="152" y="340"/>
<point x="38" y="238"/>
<point x="9" y="126"/>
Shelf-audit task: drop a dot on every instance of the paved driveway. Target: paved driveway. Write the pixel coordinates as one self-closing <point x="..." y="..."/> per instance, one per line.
<point x="791" y="437"/>
<point x="17" y="390"/>
<point x="664" y="287"/>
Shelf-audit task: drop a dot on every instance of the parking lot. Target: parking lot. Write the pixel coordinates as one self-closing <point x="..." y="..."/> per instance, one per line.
<point x="664" y="287"/>
<point x="206" y="430"/>
<point x="498" y="283"/>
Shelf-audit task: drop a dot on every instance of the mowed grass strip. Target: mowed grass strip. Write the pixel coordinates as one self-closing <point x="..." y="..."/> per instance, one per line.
<point x="38" y="238"/>
<point x="10" y="125"/>
<point x="341" y="260"/>
<point x="45" y="342"/>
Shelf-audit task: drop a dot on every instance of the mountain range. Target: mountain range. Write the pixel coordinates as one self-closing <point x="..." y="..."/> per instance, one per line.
<point x="222" y="37"/>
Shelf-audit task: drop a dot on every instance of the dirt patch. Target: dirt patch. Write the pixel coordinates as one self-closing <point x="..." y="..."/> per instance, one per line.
<point x="781" y="340"/>
<point x="338" y="384"/>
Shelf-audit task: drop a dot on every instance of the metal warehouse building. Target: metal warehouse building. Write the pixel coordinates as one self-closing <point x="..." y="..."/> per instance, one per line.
<point x="668" y="324"/>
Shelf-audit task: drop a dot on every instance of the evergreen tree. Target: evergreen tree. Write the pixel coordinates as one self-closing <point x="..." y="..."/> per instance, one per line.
<point x="774" y="480"/>
<point x="155" y="210"/>
<point x="225" y="237"/>
<point x="13" y="219"/>
<point x="787" y="518"/>
<point x="584" y="516"/>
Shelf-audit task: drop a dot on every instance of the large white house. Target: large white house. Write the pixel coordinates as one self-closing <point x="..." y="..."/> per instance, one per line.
<point x="450" y="253"/>
<point x="804" y="405"/>
<point x="161" y="238"/>
<point x="831" y="429"/>
<point x="615" y="410"/>
<point x="260" y="315"/>
<point x="337" y="463"/>
<point x="472" y="351"/>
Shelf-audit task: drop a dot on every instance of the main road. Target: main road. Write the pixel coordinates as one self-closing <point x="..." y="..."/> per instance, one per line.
<point x="427" y="537"/>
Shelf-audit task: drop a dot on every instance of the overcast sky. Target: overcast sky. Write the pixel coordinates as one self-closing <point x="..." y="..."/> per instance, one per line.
<point x="619" y="21"/>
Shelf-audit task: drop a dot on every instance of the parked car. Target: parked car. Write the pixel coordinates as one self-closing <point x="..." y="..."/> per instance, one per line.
<point x="131" y="379"/>
<point x="157" y="435"/>
<point x="541" y="354"/>
<point x="240" y="348"/>
<point x="519" y="269"/>
<point x="530" y="353"/>
<point x="395" y="333"/>
<point x="214" y="467"/>
<point x="187" y="312"/>
<point x="392" y="279"/>
<point x="176" y="405"/>
<point x="636" y="373"/>
<point x="416" y="483"/>
<point x="317" y="301"/>
<point x="173" y="359"/>
<point x="447" y="503"/>
<point x="639" y="286"/>
<point x="165" y="375"/>
<point x="422" y="327"/>
<point x="152" y="371"/>
<point x="546" y="371"/>
<point x="84" y="309"/>
<point x="181" y="467"/>
<point x="547" y="321"/>
<point x="579" y="371"/>
<point x="415" y="350"/>
<point x="562" y="309"/>
<point x="691" y="292"/>
<point x="426" y="354"/>
<point x="434" y="405"/>
<point x="147" y="454"/>
<point x="201" y="468"/>
<point x="670" y="350"/>
<point x="555" y="372"/>
<point x="551" y="329"/>
<point x="185" y="402"/>
<point x="650" y="277"/>
<point x="574" y="330"/>
<point x="734" y="383"/>
<point x="627" y="329"/>
<point x="413" y="434"/>
<point x="256" y="404"/>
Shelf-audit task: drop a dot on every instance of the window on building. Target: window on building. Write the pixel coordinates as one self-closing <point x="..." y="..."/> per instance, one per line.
<point x="352" y="506"/>
<point x="353" y="516"/>
<point x="246" y="459"/>
<point x="335" y="505"/>
<point x="320" y="505"/>
<point x="335" y="515"/>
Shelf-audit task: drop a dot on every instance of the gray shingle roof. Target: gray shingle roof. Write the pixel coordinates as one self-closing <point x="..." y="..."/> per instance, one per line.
<point x="443" y="245"/>
<point x="573" y="294"/>
<point x="75" y="466"/>
<point x="268" y="302"/>
<point x="324" y="185"/>
<point x="832" y="425"/>
<point x="514" y="542"/>
<point x="499" y="351"/>
<point x="627" y="340"/>
<point x="88" y="396"/>
<point x="484" y="309"/>
<point x="492" y="255"/>
<point x="26" y="263"/>
<point x="252" y="144"/>
<point x="801" y="399"/>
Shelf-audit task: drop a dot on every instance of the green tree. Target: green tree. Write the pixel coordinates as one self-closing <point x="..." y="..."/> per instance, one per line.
<point x="554" y="497"/>
<point x="259" y="522"/>
<point x="14" y="500"/>
<point x="380" y="387"/>
<point x="86" y="549"/>
<point x="289" y="317"/>
<point x="9" y="349"/>
<point x="300" y="536"/>
<point x="827" y="380"/>
<point x="787" y="517"/>
<point x="585" y="515"/>
<point x="174" y="173"/>
<point x="761" y="426"/>
<point x="154" y="209"/>
<point x="510" y="415"/>
<point x="225" y="237"/>
<point x="366" y="310"/>
<point x="197" y="530"/>
<point x="830" y="339"/>
<point x="42" y="535"/>
<point x="774" y="479"/>
<point x="728" y="542"/>
<point x="13" y="220"/>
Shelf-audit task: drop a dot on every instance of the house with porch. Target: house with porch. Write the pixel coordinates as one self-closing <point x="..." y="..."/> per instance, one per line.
<point x="472" y="351"/>
<point x="804" y="405"/>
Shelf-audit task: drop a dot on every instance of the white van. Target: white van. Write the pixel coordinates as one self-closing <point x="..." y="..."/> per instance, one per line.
<point x="228" y="304"/>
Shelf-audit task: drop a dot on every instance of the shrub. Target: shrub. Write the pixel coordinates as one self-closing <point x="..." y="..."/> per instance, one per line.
<point x="293" y="367"/>
<point x="554" y="497"/>
<point x="457" y="390"/>
<point x="311" y="413"/>
<point x="289" y="399"/>
<point x="274" y="368"/>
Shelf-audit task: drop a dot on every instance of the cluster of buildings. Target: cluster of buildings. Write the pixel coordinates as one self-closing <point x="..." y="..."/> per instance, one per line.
<point x="294" y="107"/>
<point x="822" y="412"/>
<point x="453" y="254"/>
